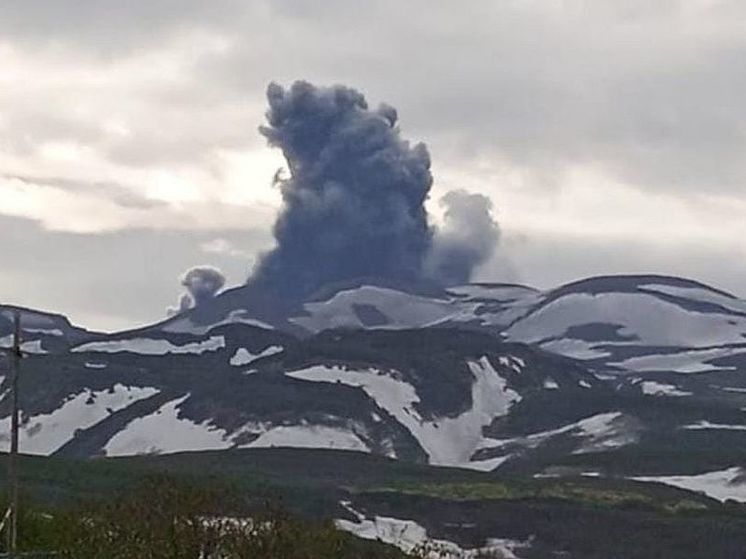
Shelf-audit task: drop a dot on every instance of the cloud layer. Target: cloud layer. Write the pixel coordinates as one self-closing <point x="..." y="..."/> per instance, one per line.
<point x="583" y="121"/>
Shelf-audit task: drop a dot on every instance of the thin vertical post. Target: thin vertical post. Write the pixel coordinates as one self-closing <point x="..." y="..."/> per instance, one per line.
<point x="15" y="360"/>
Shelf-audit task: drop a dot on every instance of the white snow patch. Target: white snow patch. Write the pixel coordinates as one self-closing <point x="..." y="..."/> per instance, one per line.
<point x="653" y="321"/>
<point x="93" y="365"/>
<point x="45" y="433"/>
<point x="164" y="431"/>
<point x="6" y="342"/>
<point x="185" y="325"/>
<point x="148" y="346"/>
<point x="447" y="441"/>
<point x="707" y="425"/>
<point x="578" y="349"/>
<point x="512" y="362"/>
<point x="309" y="436"/>
<point x="488" y="464"/>
<point x="495" y="306"/>
<point x="604" y="432"/>
<point x="409" y="536"/>
<point x="33" y="347"/>
<point x="691" y="361"/>
<point x="48" y="331"/>
<point x="721" y="485"/>
<point x="597" y="433"/>
<point x="652" y="388"/>
<point x="243" y="356"/>
<point x="730" y="389"/>
<point x="699" y="294"/>
<point x="402" y="310"/>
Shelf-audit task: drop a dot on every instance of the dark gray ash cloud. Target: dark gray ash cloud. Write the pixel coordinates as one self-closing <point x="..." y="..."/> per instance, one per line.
<point x="354" y="203"/>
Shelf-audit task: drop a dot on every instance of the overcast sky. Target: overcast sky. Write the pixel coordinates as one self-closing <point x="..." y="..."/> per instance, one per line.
<point x="609" y="134"/>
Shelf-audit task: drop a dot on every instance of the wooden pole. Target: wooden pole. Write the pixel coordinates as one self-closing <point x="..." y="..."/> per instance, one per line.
<point x="15" y="360"/>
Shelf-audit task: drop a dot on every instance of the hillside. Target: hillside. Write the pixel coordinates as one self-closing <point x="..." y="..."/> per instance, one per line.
<point x="612" y="379"/>
<point x="404" y="503"/>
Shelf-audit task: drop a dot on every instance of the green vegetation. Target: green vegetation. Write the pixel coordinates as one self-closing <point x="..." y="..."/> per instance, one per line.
<point x="94" y="507"/>
<point x="577" y="491"/>
<point x="163" y="519"/>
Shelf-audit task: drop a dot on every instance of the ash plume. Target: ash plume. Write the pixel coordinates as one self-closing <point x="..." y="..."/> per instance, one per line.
<point x="353" y="202"/>
<point x="468" y="237"/>
<point x="202" y="284"/>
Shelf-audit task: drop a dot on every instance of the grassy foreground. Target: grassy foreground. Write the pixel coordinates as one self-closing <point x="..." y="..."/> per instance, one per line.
<point x="112" y="508"/>
<point x="164" y="519"/>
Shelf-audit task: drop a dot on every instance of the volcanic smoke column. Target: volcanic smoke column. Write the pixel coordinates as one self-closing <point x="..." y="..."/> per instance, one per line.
<point x="468" y="237"/>
<point x="202" y="284"/>
<point x="354" y="202"/>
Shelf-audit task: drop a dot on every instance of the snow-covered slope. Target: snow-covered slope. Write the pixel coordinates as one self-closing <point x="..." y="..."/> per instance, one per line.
<point x="359" y="305"/>
<point x="484" y="376"/>
<point x="618" y="323"/>
<point x="426" y="394"/>
<point x="639" y="323"/>
<point x="45" y="433"/>
<point x="488" y="306"/>
<point x="412" y="537"/>
<point x="722" y="485"/>
<point x="449" y="441"/>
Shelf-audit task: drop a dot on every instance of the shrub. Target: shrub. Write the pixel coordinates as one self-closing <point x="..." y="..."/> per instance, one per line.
<point x="167" y="520"/>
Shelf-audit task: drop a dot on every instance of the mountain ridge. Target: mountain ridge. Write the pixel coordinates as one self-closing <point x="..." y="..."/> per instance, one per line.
<point x="485" y="376"/>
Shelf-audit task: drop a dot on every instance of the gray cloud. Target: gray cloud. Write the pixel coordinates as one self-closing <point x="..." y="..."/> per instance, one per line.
<point x="112" y="280"/>
<point x="647" y="93"/>
<point x="109" y="24"/>
<point x="547" y="261"/>
<point x="119" y="194"/>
